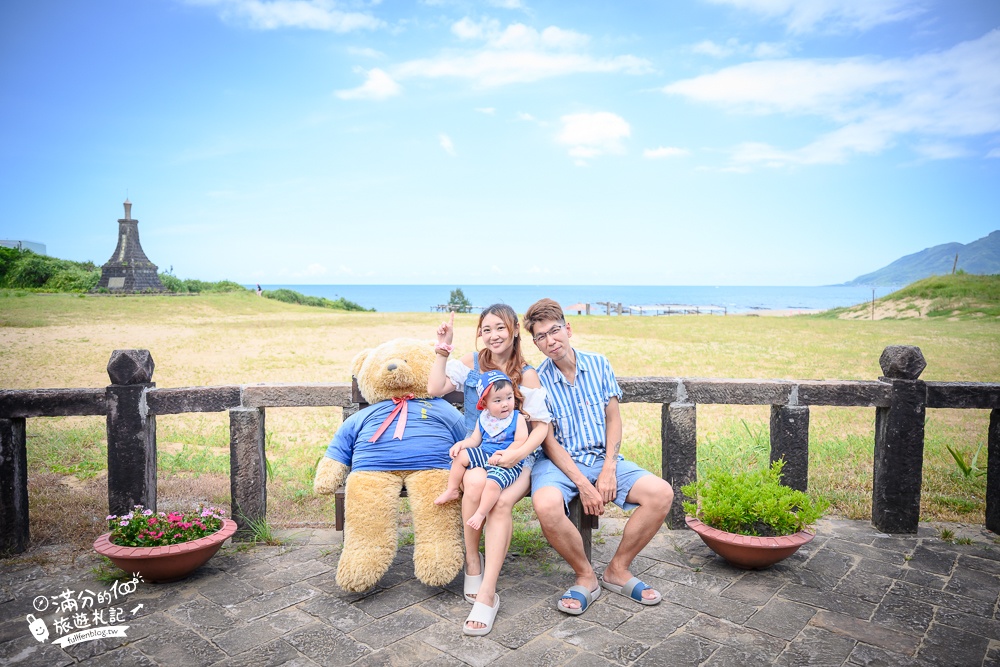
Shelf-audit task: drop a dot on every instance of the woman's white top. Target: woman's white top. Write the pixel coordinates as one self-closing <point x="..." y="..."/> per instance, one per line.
<point x="534" y="398"/>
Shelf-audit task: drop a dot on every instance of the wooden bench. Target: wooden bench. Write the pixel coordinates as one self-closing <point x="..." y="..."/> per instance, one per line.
<point x="585" y="523"/>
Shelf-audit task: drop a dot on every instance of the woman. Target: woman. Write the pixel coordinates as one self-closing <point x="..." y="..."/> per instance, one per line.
<point x="498" y="329"/>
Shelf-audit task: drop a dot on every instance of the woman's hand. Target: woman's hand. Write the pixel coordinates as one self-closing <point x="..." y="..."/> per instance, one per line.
<point x="446" y="332"/>
<point x="498" y="459"/>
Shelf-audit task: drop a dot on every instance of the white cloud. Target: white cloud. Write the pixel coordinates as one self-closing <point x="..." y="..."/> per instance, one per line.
<point x="664" y="152"/>
<point x="365" y="53"/>
<point x="489" y="111"/>
<point x="931" y="98"/>
<point x="801" y="16"/>
<point x="527" y="117"/>
<point x="310" y="14"/>
<point x="377" y="86"/>
<point x="994" y="153"/>
<point x="516" y="54"/>
<point x="591" y="135"/>
<point x="941" y="150"/>
<point x="506" y="4"/>
<point x="447" y="144"/>
<point x="733" y="46"/>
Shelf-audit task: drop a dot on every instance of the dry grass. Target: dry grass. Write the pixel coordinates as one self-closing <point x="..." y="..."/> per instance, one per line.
<point x="65" y="341"/>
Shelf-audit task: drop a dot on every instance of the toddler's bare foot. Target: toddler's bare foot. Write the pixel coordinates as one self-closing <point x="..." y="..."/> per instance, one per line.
<point x="476" y="520"/>
<point x="446" y="497"/>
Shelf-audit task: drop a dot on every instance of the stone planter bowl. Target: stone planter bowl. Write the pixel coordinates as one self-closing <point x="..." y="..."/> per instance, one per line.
<point x="167" y="563"/>
<point x="746" y="551"/>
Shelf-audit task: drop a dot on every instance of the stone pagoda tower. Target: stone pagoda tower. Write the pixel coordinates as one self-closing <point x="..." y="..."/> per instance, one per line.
<point x="129" y="270"/>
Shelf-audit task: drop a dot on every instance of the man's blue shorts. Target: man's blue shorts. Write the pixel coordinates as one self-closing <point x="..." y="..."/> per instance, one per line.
<point x="546" y="473"/>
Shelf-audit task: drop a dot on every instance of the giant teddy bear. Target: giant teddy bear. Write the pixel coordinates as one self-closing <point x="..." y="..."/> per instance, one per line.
<point x="401" y="439"/>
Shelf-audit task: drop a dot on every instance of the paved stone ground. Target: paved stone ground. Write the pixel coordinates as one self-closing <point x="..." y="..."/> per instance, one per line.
<point x="851" y="597"/>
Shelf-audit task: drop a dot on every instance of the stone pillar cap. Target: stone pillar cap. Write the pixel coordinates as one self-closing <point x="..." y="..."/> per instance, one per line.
<point x="902" y="362"/>
<point x="131" y="367"/>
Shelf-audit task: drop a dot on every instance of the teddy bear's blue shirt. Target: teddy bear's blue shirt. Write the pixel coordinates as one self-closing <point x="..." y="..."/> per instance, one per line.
<point x="433" y="426"/>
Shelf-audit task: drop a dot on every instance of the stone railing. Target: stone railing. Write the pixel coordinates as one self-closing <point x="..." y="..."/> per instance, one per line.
<point x="132" y="402"/>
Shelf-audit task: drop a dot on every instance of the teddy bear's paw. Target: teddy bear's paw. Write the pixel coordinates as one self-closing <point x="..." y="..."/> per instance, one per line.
<point x="358" y="572"/>
<point x="330" y="476"/>
<point x="438" y="565"/>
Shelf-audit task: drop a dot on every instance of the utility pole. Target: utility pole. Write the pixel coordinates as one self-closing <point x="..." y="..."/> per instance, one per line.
<point x="873" y="304"/>
<point x="955" y="265"/>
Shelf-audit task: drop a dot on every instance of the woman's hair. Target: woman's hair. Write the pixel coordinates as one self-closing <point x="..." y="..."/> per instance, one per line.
<point x="516" y="361"/>
<point x="543" y="310"/>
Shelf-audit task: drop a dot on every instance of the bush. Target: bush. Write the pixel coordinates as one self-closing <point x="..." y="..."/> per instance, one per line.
<point x="172" y="283"/>
<point x="30" y="270"/>
<point x="74" y="280"/>
<point x="291" y="296"/>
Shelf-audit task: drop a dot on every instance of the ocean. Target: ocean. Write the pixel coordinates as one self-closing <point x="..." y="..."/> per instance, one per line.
<point x="722" y="299"/>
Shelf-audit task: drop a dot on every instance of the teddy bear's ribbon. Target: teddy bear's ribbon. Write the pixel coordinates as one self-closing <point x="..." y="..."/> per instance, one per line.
<point x="400" y="410"/>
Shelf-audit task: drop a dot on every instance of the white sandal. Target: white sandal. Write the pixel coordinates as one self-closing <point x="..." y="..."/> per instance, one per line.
<point x="482" y="614"/>
<point x="473" y="581"/>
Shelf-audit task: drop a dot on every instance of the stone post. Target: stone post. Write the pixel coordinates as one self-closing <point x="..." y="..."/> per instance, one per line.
<point x="679" y="454"/>
<point x="790" y="441"/>
<point x="131" y="432"/>
<point x="899" y="442"/>
<point x="993" y="473"/>
<point x="248" y="470"/>
<point x="13" y="487"/>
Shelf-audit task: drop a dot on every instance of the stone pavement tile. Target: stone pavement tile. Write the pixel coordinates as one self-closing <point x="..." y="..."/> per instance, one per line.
<point x="591" y="638"/>
<point x="271" y="601"/>
<point x="515" y="631"/>
<point x="476" y="651"/>
<point x="170" y="643"/>
<point x="204" y="615"/>
<point x="864" y="586"/>
<point x="984" y="627"/>
<point x="15" y="628"/>
<point x="681" y="649"/>
<point x="394" y="627"/>
<point x="326" y="537"/>
<point x="864" y="631"/>
<point x="735" y="636"/>
<point x="398" y="597"/>
<point x="984" y="551"/>
<point x="294" y="573"/>
<point x="28" y="651"/>
<point x="865" y="551"/>
<point x="518" y="596"/>
<point x="903" y="614"/>
<point x="251" y="569"/>
<point x="872" y="656"/>
<point x="271" y="654"/>
<point x="904" y="544"/>
<point x="814" y="597"/>
<point x="227" y="590"/>
<point x="824" y="570"/>
<point x="540" y="652"/>
<point x="455" y="608"/>
<point x="752" y="590"/>
<point x="248" y="635"/>
<point x="992" y="657"/>
<point x="610" y="610"/>
<point x="157" y="624"/>
<point x="89" y="649"/>
<point x="949" y="646"/>
<point x="727" y="656"/>
<point x="654" y="625"/>
<point x="781" y="618"/>
<point x="122" y="657"/>
<point x="816" y="646"/>
<point x="942" y="599"/>
<point x="688" y="577"/>
<point x="927" y="579"/>
<point x="335" y="612"/>
<point x="976" y="584"/>
<point x="712" y="604"/>
<point x="881" y="568"/>
<point x="325" y="646"/>
<point x="409" y="651"/>
<point x="853" y="531"/>
<point x="976" y="562"/>
<point x="327" y="582"/>
<point x="935" y="560"/>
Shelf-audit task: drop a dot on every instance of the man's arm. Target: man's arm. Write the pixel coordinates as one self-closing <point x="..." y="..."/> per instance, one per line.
<point x="607" y="481"/>
<point x="591" y="499"/>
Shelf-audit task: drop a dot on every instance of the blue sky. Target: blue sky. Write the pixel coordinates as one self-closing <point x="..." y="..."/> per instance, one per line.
<point x="701" y="142"/>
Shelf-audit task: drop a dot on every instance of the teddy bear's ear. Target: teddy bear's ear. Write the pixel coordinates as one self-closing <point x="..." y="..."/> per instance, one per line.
<point x="358" y="361"/>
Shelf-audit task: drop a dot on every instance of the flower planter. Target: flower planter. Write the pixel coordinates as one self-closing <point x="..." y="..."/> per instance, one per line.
<point x="746" y="551"/>
<point x="166" y="563"/>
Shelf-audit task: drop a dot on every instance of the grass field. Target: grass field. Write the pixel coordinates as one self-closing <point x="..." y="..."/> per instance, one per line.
<point x="65" y="340"/>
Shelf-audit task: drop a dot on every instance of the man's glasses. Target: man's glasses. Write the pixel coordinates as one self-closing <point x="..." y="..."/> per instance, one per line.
<point x="540" y="338"/>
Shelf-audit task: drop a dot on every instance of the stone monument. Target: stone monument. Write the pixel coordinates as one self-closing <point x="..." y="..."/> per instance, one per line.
<point x="129" y="270"/>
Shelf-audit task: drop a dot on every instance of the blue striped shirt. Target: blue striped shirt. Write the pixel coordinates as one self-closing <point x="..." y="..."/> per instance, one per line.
<point x="578" y="419"/>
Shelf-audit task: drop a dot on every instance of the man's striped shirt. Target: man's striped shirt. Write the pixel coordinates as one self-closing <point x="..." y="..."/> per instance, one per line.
<point x="578" y="418"/>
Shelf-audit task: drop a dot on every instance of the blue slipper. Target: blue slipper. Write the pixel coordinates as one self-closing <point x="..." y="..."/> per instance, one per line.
<point x="633" y="588"/>
<point x="578" y="593"/>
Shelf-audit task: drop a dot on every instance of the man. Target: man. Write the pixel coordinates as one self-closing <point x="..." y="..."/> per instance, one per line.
<point x="582" y="458"/>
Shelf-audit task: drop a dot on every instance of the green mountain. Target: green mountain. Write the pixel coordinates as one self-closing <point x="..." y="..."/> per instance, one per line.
<point x="978" y="257"/>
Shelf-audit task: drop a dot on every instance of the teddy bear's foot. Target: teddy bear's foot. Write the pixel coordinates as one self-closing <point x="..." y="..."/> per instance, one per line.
<point x="358" y="572"/>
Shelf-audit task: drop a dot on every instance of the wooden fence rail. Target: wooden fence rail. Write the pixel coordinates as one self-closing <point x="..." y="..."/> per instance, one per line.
<point x="132" y="402"/>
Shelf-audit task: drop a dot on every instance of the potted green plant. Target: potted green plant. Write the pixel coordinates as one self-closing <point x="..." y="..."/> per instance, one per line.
<point x="164" y="546"/>
<point x="749" y="517"/>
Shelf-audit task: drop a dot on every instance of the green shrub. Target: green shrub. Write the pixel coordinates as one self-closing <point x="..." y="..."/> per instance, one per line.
<point x="172" y="283"/>
<point x="291" y="296"/>
<point x="73" y="280"/>
<point x="751" y="502"/>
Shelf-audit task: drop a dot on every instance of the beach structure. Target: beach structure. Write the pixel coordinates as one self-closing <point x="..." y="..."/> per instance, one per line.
<point x="129" y="270"/>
